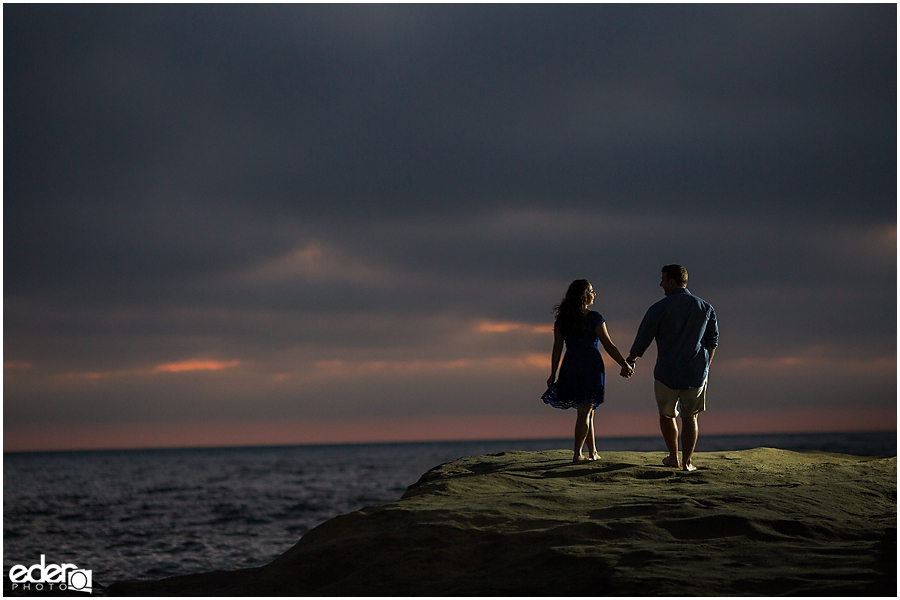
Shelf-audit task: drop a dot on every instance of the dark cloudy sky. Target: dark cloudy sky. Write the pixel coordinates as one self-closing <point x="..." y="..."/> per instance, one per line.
<point x="229" y="224"/>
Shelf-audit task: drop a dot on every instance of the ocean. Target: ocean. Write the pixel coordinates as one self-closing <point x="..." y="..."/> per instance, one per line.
<point x="149" y="514"/>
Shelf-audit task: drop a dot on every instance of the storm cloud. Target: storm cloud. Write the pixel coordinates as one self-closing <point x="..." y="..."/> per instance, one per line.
<point x="367" y="211"/>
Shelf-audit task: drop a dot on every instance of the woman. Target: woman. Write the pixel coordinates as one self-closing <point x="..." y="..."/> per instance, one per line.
<point x="581" y="377"/>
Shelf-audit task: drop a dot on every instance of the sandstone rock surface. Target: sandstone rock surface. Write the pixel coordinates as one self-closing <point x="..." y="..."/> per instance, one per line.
<point x="750" y="522"/>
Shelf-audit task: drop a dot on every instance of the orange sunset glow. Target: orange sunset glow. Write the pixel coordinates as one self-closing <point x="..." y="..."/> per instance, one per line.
<point x="437" y="428"/>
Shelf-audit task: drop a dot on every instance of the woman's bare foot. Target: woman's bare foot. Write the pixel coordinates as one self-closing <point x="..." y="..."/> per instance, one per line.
<point x="671" y="462"/>
<point x="594" y="456"/>
<point x="689" y="467"/>
<point x="580" y="458"/>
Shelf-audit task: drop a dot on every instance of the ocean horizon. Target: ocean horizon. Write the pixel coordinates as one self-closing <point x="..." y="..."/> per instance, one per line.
<point x="137" y="514"/>
<point x="862" y="442"/>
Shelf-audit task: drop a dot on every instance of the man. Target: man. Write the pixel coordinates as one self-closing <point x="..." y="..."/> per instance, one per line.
<point x="686" y="334"/>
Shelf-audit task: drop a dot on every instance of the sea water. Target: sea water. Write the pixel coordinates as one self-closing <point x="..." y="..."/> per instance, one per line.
<point x="147" y="514"/>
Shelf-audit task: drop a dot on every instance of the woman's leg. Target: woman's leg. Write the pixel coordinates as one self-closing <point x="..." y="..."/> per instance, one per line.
<point x="582" y="424"/>
<point x="591" y="442"/>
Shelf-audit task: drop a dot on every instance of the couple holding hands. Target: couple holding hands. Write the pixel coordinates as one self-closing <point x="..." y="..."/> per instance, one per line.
<point x="684" y="327"/>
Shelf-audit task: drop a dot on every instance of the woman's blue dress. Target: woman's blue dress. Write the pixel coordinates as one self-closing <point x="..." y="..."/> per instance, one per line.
<point x="581" y="375"/>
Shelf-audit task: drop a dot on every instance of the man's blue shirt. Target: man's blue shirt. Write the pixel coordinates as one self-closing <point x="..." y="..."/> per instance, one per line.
<point x="685" y="330"/>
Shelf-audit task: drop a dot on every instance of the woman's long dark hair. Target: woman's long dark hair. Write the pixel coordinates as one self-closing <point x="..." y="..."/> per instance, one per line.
<point x="570" y="312"/>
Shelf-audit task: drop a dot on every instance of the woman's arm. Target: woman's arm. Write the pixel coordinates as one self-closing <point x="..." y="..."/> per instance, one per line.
<point x="613" y="352"/>
<point x="557" y="353"/>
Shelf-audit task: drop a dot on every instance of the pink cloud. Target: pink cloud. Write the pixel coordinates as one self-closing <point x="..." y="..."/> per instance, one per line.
<point x="195" y="365"/>
<point x="506" y="327"/>
<point x="16" y="364"/>
<point x="523" y="361"/>
<point x="782" y="363"/>
<point x="174" y="367"/>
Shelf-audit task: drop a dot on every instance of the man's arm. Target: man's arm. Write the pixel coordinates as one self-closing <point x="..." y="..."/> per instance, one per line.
<point x="711" y="335"/>
<point x="645" y="334"/>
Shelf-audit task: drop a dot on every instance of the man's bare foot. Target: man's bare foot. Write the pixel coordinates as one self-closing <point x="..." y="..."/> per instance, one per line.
<point x="580" y="458"/>
<point x="594" y="456"/>
<point x="689" y="467"/>
<point x="670" y="462"/>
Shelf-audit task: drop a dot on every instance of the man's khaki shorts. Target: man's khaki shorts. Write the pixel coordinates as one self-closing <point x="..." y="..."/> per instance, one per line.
<point x="672" y="403"/>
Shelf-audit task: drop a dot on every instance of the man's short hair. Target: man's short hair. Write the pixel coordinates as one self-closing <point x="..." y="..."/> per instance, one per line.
<point x="676" y="273"/>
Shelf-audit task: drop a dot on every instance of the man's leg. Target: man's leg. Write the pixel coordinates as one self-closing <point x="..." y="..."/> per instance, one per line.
<point x="693" y="402"/>
<point x="669" y="429"/>
<point x="689" y="435"/>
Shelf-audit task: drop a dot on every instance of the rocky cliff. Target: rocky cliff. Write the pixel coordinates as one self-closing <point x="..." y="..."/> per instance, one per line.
<point x="762" y="521"/>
